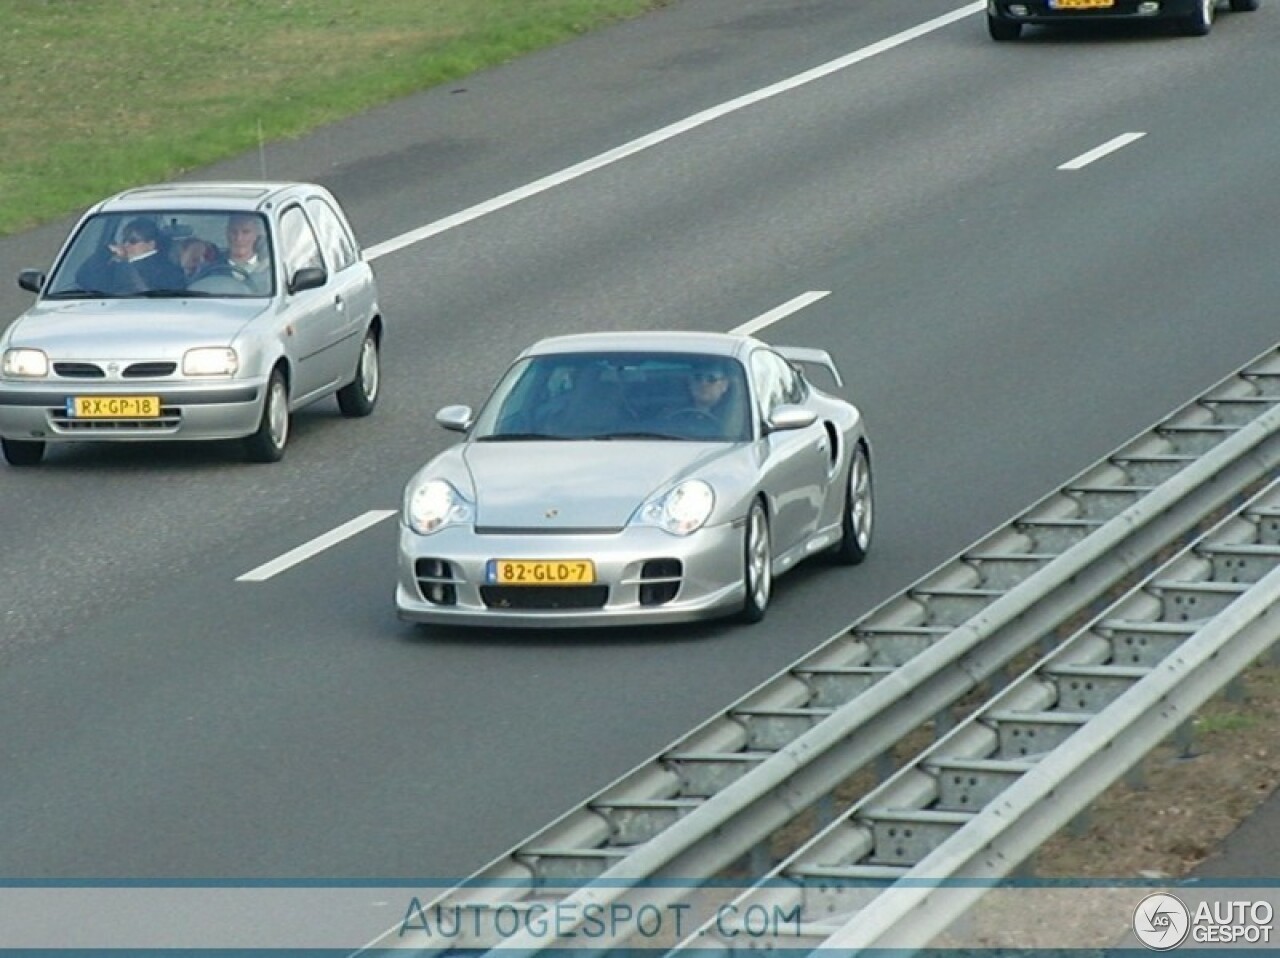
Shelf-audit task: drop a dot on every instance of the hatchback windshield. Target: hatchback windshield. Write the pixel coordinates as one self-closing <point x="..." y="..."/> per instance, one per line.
<point x="172" y="253"/>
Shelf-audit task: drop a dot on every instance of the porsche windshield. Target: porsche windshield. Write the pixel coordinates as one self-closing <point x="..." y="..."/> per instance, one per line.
<point x="674" y="396"/>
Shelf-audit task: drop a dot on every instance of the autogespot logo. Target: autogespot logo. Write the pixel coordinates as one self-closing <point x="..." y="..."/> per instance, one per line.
<point x="1161" y="921"/>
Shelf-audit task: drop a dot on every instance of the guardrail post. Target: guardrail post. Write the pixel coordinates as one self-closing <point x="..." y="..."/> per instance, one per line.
<point x="1184" y="739"/>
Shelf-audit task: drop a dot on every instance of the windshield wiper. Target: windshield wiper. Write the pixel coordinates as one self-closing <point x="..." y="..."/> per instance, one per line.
<point x="638" y="435"/>
<point x="518" y="437"/>
<point x="81" y="294"/>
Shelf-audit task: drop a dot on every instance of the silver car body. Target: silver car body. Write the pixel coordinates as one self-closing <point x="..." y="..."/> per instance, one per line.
<point x="126" y="345"/>
<point x="557" y="499"/>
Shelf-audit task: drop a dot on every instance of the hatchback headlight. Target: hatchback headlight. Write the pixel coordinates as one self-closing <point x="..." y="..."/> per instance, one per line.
<point x="682" y="510"/>
<point x="433" y="505"/>
<point x="25" y="363"/>
<point x="210" y="361"/>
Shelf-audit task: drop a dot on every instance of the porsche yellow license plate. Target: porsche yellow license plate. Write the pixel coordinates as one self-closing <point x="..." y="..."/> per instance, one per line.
<point x="113" y="407"/>
<point x="542" y="571"/>
<point x="1081" y="4"/>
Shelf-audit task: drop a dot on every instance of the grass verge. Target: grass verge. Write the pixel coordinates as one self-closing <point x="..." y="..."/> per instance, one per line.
<point x="101" y="95"/>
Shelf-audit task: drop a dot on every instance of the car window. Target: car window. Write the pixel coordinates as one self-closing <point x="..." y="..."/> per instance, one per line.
<point x="776" y="382"/>
<point x="183" y="252"/>
<point x="336" y="243"/>
<point x="299" y="246"/>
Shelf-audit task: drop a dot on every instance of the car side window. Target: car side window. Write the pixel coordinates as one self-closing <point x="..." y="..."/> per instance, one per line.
<point x="775" y="381"/>
<point x="335" y="240"/>
<point x="298" y="243"/>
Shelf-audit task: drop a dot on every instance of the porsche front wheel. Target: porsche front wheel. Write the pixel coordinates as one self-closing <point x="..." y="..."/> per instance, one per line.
<point x="757" y="566"/>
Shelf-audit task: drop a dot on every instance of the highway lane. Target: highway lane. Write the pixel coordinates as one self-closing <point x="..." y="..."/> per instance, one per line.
<point x="1004" y="323"/>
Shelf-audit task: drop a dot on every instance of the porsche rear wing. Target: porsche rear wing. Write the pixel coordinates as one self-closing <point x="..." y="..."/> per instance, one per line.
<point x="807" y="356"/>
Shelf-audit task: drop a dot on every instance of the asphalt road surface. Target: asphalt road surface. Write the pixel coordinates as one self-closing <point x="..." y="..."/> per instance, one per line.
<point x="1008" y="306"/>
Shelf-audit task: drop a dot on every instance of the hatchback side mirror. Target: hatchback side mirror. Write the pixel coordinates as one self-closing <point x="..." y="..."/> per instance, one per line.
<point x="309" y="277"/>
<point x="31" y="280"/>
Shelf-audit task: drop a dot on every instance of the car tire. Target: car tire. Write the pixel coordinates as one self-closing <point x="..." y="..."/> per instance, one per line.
<point x="1199" y="23"/>
<point x="268" y="441"/>
<point x="22" y="452"/>
<point x="1244" y="6"/>
<point x="359" y="397"/>
<point x="1003" y="31"/>
<point x="857" y="519"/>
<point x="757" y="565"/>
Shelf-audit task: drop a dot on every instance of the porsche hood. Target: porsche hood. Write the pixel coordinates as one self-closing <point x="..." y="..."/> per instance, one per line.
<point x="588" y="485"/>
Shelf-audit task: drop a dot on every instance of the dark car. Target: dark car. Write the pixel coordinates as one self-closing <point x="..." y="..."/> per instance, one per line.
<point x="1006" y="18"/>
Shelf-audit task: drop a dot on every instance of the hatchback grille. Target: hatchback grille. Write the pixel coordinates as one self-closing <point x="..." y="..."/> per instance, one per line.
<point x="544" y="596"/>
<point x="149" y="370"/>
<point x="79" y="370"/>
<point x="169" y="419"/>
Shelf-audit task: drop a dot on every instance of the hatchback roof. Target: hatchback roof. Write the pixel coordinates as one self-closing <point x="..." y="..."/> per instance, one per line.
<point x="217" y="196"/>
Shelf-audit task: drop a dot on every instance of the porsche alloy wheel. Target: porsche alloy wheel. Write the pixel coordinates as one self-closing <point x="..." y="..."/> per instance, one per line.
<point x="857" y="521"/>
<point x="757" y="572"/>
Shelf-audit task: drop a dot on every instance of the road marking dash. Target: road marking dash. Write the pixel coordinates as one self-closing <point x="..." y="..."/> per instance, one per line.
<point x="781" y="312"/>
<point x="317" y="545"/>
<point x="1098" y="152"/>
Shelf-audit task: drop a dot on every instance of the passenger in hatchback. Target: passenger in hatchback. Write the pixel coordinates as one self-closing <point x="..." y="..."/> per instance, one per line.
<point x="135" y="264"/>
<point x="195" y="256"/>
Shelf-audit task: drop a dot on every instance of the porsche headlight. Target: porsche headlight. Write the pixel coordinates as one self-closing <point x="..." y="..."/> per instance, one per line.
<point x="25" y="363"/>
<point x="434" y="504"/>
<point x="682" y="510"/>
<point x="210" y="361"/>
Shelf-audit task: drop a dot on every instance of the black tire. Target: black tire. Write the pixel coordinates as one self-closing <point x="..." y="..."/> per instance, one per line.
<point x="268" y="442"/>
<point x="757" y="565"/>
<point x="1003" y="31"/>
<point x="857" y="520"/>
<point x="1199" y="23"/>
<point x="22" y="452"/>
<point x="1244" y="6"/>
<point x="359" y="397"/>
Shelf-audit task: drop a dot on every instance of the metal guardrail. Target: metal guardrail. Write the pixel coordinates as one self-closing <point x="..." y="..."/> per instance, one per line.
<point x="727" y="785"/>
<point x="901" y="865"/>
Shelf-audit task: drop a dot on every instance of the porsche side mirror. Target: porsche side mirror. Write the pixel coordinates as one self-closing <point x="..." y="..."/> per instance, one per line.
<point x="791" y="417"/>
<point x="455" y="418"/>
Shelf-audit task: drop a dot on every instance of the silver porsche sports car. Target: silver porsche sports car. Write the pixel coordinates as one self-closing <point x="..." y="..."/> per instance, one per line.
<point x="624" y="478"/>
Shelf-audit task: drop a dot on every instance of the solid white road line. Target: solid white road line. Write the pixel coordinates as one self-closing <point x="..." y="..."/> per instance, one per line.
<point x="1098" y="152"/>
<point x="666" y="133"/>
<point x="781" y="312"/>
<point x="316" y="546"/>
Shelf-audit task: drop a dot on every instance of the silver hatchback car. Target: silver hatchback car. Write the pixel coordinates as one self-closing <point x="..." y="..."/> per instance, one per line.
<point x="193" y="311"/>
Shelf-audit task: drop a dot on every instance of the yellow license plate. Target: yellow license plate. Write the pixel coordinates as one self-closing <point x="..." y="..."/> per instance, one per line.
<point x="1082" y="4"/>
<point x="113" y="407"/>
<point x="542" y="571"/>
